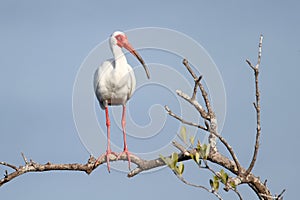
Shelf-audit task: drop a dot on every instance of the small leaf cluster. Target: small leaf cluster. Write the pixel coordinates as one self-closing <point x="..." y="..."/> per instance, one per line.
<point x="222" y="177"/>
<point x="214" y="183"/>
<point x="172" y="163"/>
<point x="202" y="152"/>
<point x="183" y="136"/>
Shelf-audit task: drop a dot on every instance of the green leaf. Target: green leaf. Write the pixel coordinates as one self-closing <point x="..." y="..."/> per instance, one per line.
<point x="174" y="160"/>
<point x="192" y="156"/>
<point x="214" y="184"/>
<point x="183" y="133"/>
<point x="198" y="145"/>
<point x="224" y="176"/>
<point x="197" y="157"/>
<point x="180" y="168"/>
<point x="192" y="140"/>
<point x="207" y="150"/>
<point x="203" y="151"/>
<point x="222" y="172"/>
<point x="174" y="157"/>
<point x="232" y="184"/>
<point x="169" y="161"/>
<point x="216" y="178"/>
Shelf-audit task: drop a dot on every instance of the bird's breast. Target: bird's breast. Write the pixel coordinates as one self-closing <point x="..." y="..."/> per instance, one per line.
<point x="114" y="86"/>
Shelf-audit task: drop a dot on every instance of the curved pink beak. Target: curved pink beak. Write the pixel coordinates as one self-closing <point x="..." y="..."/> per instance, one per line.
<point x="133" y="52"/>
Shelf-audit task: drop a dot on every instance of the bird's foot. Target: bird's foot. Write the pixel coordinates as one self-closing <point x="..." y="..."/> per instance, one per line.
<point x="106" y="155"/>
<point x="127" y="153"/>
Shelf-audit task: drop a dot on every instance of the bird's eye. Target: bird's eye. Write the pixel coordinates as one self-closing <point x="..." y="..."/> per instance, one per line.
<point x="119" y="37"/>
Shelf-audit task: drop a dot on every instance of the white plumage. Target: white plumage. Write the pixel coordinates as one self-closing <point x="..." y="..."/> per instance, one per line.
<point x="114" y="84"/>
<point x="114" y="81"/>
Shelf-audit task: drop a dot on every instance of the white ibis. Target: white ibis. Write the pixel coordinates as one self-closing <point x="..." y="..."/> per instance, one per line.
<point x="114" y="84"/>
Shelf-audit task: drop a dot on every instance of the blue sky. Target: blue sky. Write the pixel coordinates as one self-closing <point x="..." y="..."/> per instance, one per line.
<point x="43" y="45"/>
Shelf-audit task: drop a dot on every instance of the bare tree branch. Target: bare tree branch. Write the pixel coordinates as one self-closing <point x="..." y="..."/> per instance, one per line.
<point x="230" y="149"/>
<point x="204" y="94"/>
<point x="256" y="106"/>
<point x="36" y="167"/>
<point x="9" y="165"/>
<point x="209" y="116"/>
<point x="215" y="157"/>
<point x="181" y="148"/>
<point x="184" y="121"/>
<point x="276" y="197"/>
<point x="185" y="152"/>
<point x="142" y="165"/>
<point x="24" y="158"/>
<point x="199" y="186"/>
<point x="195" y="103"/>
<point x="212" y="117"/>
<point x="195" y="87"/>
<point x="237" y="193"/>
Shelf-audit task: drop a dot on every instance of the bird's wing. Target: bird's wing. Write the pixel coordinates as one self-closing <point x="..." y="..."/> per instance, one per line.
<point x="99" y="72"/>
<point x="97" y="78"/>
<point x="132" y="82"/>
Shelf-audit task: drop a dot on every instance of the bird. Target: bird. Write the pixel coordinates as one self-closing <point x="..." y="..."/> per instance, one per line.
<point x="114" y="84"/>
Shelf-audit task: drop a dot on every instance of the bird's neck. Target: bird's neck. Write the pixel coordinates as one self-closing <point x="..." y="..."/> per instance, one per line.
<point x="119" y="56"/>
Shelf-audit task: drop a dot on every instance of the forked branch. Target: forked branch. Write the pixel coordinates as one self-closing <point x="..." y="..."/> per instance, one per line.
<point x="256" y="105"/>
<point x="209" y="115"/>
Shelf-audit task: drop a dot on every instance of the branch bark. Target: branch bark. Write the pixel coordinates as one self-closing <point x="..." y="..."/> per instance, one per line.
<point x="142" y="165"/>
<point x="199" y="186"/>
<point x="209" y="115"/>
<point x="169" y="111"/>
<point x="256" y="105"/>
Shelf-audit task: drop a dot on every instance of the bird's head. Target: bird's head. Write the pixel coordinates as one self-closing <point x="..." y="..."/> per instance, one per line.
<point x="119" y="39"/>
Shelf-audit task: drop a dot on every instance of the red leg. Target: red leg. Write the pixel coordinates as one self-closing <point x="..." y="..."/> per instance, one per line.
<point x="125" y="151"/>
<point x="108" y="150"/>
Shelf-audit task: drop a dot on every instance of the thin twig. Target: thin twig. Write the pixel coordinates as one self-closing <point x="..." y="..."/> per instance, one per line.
<point x="198" y="186"/>
<point x="185" y="152"/>
<point x="256" y="106"/>
<point x="209" y="168"/>
<point x="259" y="49"/>
<point x="250" y="64"/>
<point x="9" y="165"/>
<point x="212" y="130"/>
<point x="24" y="158"/>
<point x="204" y="93"/>
<point x="195" y="87"/>
<point x="276" y="197"/>
<point x="227" y="185"/>
<point x="237" y="193"/>
<point x="181" y="148"/>
<point x="212" y="117"/>
<point x="195" y="103"/>
<point x="184" y="121"/>
<point x="230" y="149"/>
<point x="280" y="196"/>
